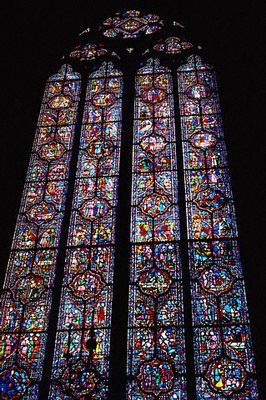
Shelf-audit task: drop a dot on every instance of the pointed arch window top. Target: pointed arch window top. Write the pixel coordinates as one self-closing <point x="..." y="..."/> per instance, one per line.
<point x="107" y="68"/>
<point x="193" y="62"/>
<point x="65" y="72"/>
<point x="151" y="65"/>
<point x="130" y="25"/>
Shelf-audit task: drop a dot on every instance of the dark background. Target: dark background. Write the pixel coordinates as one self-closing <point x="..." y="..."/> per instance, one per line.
<point x="36" y="36"/>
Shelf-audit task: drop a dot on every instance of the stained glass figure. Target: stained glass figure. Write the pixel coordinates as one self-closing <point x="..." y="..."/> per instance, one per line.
<point x="156" y="354"/>
<point x="172" y="45"/>
<point x="131" y="24"/>
<point x="26" y="299"/>
<point x="86" y="301"/>
<point x="222" y="344"/>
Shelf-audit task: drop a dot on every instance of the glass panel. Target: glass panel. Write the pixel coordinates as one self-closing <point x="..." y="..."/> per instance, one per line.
<point x="26" y="299"/>
<point x="156" y="353"/>
<point x="81" y="359"/>
<point x="172" y="45"/>
<point x="223" y="355"/>
<point x="131" y="24"/>
<point x="88" y="51"/>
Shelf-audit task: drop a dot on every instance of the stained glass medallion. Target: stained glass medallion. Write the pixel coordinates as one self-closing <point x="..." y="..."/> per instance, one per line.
<point x="216" y="280"/>
<point x="51" y="151"/>
<point x="13" y="383"/>
<point x="94" y="208"/>
<point x="41" y="212"/>
<point x="226" y="376"/>
<point x="156" y="377"/>
<point x="79" y="380"/>
<point x="131" y="24"/>
<point x="86" y="285"/>
<point x="154" y="282"/>
<point x="154" y="204"/>
<point x="203" y="140"/>
<point x="60" y="101"/>
<point x="153" y="143"/>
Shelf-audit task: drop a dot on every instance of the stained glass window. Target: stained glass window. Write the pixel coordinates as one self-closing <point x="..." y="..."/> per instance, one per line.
<point x="26" y="299"/>
<point x="66" y="269"/>
<point x="156" y="356"/>
<point x="81" y="370"/>
<point x="131" y="24"/>
<point x="222" y="345"/>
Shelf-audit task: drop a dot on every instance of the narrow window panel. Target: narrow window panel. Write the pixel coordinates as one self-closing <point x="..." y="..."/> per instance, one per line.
<point x="156" y="350"/>
<point x="27" y="292"/>
<point x="223" y="356"/>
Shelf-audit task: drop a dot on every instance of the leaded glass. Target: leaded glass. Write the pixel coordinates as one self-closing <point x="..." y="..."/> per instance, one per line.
<point x="156" y="354"/>
<point x="222" y="344"/>
<point x="172" y="45"/>
<point x="63" y="311"/>
<point x="131" y="24"/>
<point x="88" y="51"/>
<point x="26" y="299"/>
<point x="80" y="369"/>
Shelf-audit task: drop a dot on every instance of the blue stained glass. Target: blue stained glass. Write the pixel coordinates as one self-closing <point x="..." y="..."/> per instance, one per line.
<point x="81" y="370"/>
<point x="27" y="292"/>
<point x="156" y="350"/>
<point x="223" y="355"/>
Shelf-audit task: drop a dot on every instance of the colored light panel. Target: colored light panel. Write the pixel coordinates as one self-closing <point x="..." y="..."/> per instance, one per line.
<point x="27" y="293"/>
<point x="156" y="353"/>
<point x="81" y="359"/>
<point x="223" y="355"/>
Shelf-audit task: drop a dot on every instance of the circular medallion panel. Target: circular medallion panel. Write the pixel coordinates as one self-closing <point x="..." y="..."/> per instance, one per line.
<point x="86" y="285"/>
<point x="104" y="99"/>
<point x="153" y="144"/>
<point x="203" y="140"/>
<point x="156" y="377"/>
<point x="226" y="376"/>
<point x="41" y="212"/>
<point x="210" y="199"/>
<point x="59" y="102"/>
<point x="79" y="380"/>
<point x="198" y="91"/>
<point x="155" y="204"/>
<point x="13" y="383"/>
<point x="51" y="151"/>
<point x="28" y="288"/>
<point x="216" y="280"/>
<point x="153" y="95"/>
<point x="100" y="148"/>
<point x="94" y="208"/>
<point x="154" y="282"/>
